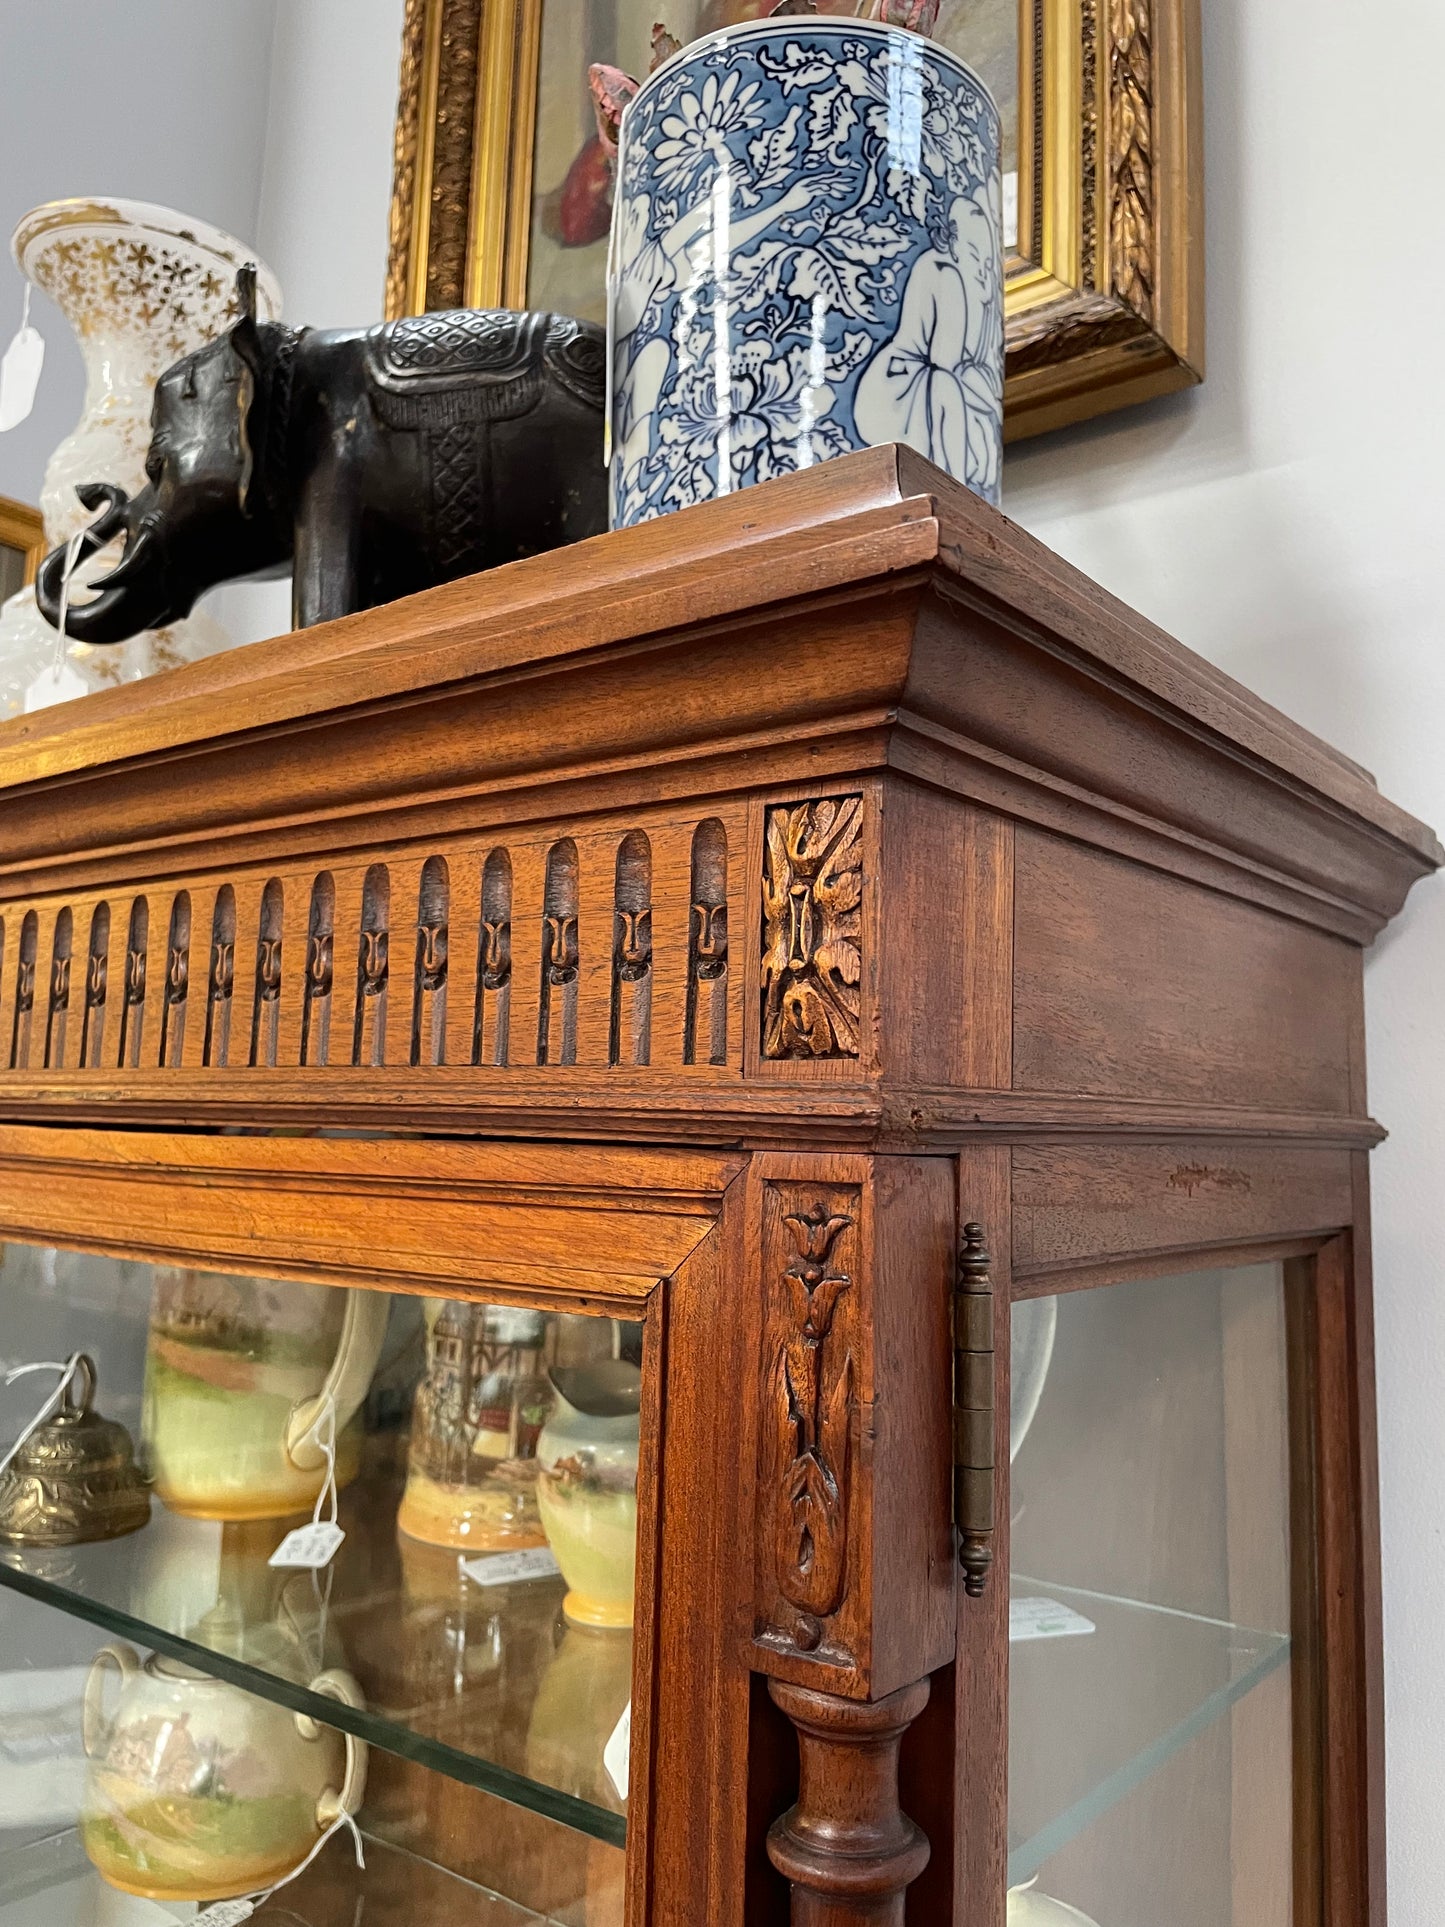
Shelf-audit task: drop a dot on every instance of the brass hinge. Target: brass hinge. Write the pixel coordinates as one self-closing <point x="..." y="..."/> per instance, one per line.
<point x="973" y="1414"/>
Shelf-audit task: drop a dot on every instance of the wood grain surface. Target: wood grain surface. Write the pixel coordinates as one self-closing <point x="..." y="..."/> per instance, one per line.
<point x="700" y="925"/>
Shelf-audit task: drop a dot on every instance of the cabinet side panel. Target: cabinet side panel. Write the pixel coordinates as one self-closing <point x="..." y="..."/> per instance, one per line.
<point x="1130" y="983"/>
<point x="1076" y="1206"/>
<point x="945" y="1015"/>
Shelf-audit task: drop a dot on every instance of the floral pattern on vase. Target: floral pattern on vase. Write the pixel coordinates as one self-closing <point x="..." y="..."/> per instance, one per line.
<point x="806" y="260"/>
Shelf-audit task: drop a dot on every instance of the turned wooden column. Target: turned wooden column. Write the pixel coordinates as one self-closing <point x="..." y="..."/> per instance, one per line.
<point x="847" y="1846"/>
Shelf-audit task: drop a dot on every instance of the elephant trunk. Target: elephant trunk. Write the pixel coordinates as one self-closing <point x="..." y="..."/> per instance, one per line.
<point x="133" y="595"/>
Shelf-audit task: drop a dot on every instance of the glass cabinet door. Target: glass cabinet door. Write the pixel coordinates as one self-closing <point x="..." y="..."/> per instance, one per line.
<point x="1159" y="1702"/>
<point x="189" y="1710"/>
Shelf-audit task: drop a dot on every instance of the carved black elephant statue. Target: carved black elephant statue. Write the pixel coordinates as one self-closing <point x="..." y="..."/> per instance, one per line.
<point x="376" y="461"/>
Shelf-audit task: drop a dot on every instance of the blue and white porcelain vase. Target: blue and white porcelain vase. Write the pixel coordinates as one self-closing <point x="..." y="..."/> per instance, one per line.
<point x="806" y="259"/>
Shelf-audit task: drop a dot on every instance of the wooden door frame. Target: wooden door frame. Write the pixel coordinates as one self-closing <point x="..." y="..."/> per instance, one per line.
<point x="625" y="1230"/>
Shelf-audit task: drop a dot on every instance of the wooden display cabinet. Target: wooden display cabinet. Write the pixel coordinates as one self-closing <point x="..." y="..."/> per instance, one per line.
<point x="826" y="931"/>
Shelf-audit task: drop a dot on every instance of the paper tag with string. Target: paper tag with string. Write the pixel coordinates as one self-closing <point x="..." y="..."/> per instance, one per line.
<point x="20" y="370"/>
<point x="66" y="1372"/>
<point x="229" y="1913"/>
<point x="62" y="681"/>
<point x="316" y="1545"/>
<point x="617" y="1754"/>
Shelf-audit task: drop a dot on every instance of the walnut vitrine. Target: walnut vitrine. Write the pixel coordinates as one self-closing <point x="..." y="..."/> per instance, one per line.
<point x="820" y="964"/>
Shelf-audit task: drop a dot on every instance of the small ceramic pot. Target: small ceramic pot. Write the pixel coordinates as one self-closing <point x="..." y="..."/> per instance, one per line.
<point x="587" y="1488"/>
<point x="196" y="1790"/>
<point x="806" y="259"/>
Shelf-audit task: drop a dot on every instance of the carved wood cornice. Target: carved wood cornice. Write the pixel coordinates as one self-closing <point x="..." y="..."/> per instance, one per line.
<point x="498" y="853"/>
<point x="883" y="617"/>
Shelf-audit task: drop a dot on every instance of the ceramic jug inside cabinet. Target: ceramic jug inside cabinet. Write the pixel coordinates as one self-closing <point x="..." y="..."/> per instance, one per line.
<point x="245" y="1380"/>
<point x="197" y="1790"/>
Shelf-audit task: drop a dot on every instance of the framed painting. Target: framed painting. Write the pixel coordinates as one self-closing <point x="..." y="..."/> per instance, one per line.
<point x="501" y="191"/>
<point x="22" y="545"/>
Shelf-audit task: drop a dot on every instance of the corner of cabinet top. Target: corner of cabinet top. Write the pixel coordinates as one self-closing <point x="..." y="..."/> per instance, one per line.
<point x="823" y="808"/>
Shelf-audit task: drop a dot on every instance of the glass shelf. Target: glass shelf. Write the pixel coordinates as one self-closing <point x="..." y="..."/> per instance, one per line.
<point x="1134" y="1691"/>
<point x="488" y="1685"/>
<point x="48" y="1882"/>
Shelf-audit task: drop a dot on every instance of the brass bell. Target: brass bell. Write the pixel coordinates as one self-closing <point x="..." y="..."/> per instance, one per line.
<point x="75" y="1478"/>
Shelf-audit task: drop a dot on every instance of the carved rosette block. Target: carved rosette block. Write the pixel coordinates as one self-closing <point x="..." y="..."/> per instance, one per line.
<point x="812" y="928"/>
<point x="847" y="1847"/>
<point x="810" y="1242"/>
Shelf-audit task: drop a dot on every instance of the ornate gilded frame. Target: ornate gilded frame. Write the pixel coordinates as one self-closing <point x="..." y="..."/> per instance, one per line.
<point x="1105" y="289"/>
<point x="21" y="529"/>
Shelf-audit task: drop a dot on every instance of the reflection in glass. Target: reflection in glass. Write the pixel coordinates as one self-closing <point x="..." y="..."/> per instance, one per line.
<point x="477" y="1416"/>
<point x="486" y="1707"/>
<point x="1150" y="1694"/>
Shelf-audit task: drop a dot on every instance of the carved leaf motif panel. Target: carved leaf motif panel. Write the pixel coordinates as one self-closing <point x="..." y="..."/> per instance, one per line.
<point x="812" y="907"/>
<point x="815" y="1333"/>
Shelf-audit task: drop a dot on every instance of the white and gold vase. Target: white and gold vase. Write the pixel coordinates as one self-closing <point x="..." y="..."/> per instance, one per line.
<point x="141" y="287"/>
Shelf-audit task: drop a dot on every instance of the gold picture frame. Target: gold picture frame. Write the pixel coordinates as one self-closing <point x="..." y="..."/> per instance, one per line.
<point x="22" y="545"/>
<point x="1105" y="283"/>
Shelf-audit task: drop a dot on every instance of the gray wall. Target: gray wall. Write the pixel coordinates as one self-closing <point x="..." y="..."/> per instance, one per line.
<point x="151" y="100"/>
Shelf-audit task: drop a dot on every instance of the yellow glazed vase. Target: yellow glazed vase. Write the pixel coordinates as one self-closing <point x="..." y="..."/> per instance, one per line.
<point x="587" y="1489"/>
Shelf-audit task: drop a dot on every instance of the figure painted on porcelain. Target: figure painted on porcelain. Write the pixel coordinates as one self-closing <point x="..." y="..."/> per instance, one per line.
<point x="936" y="384"/>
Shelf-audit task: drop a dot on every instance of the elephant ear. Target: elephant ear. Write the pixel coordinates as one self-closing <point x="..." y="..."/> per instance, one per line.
<point x="246" y="341"/>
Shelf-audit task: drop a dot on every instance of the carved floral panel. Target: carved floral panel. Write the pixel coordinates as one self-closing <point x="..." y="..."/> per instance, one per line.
<point x="810" y="1371"/>
<point x="812" y="928"/>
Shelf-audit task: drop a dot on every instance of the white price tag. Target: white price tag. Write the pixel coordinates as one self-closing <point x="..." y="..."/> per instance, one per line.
<point x="57" y="685"/>
<point x="504" y="1568"/>
<point x="20" y="376"/>
<point x="224" y="1913"/>
<point x="617" y="1754"/>
<point x="1044" y="1619"/>
<point x="314" y="1546"/>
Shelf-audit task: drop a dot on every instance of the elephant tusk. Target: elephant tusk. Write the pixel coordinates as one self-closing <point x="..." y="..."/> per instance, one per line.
<point x="138" y="553"/>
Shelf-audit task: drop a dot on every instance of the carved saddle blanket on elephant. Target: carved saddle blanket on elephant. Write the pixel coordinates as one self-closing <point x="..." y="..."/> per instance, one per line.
<point x="455" y="375"/>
